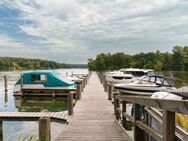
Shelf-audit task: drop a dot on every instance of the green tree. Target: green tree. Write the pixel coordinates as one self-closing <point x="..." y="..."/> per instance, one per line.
<point x="177" y="58"/>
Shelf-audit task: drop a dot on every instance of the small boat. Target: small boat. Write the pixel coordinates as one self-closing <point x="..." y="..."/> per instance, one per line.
<point x="146" y="85"/>
<point x="42" y="80"/>
<point x="181" y="120"/>
<point x="127" y="75"/>
<point x="75" y="79"/>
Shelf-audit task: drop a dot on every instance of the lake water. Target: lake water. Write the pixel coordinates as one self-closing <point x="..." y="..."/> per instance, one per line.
<point x="13" y="130"/>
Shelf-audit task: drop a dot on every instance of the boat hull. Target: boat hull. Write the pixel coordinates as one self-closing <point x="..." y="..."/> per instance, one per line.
<point x="140" y="90"/>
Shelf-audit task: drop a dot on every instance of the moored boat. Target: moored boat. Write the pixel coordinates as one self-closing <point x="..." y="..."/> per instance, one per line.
<point x="127" y="75"/>
<point x="42" y="80"/>
<point x="146" y="85"/>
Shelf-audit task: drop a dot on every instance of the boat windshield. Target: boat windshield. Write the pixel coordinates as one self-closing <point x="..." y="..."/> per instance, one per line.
<point x="176" y="82"/>
<point x="135" y="73"/>
<point x="139" y="73"/>
<point x="158" y="80"/>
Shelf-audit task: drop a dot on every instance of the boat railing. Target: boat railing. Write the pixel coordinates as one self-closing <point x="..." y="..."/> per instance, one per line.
<point x="143" y="130"/>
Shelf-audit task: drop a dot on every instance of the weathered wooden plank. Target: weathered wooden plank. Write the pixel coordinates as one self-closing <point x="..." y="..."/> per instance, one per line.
<point x="128" y="116"/>
<point x="149" y="130"/>
<point x="179" y="106"/>
<point x="93" y="117"/>
<point x="44" y="129"/>
<point x="30" y="116"/>
<point x="168" y="126"/>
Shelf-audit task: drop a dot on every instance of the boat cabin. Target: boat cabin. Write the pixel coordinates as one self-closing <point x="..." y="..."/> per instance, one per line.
<point x="42" y="80"/>
<point x="137" y="72"/>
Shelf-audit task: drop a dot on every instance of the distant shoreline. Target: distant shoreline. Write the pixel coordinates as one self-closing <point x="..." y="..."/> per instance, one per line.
<point x="11" y="63"/>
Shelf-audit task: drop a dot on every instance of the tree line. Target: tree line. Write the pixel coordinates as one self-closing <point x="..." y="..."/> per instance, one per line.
<point x="177" y="60"/>
<point x="9" y="63"/>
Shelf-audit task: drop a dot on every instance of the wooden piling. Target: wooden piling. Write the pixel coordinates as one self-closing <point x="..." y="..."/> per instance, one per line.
<point x="114" y="95"/>
<point x="70" y="103"/>
<point x="5" y="83"/>
<point x="79" y="91"/>
<point x="109" y="91"/>
<point x="138" y="133"/>
<point x="5" y="99"/>
<point x="168" y="126"/>
<point x="82" y="86"/>
<point x="1" y="130"/>
<point x="21" y="82"/>
<point x="101" y="78"/>
<point x="44" y="129"/>
<point x="117" y="105"/>
<point x="84" y="80"/>
<point x="124" y="111"/>
<point x="105" y="84"/>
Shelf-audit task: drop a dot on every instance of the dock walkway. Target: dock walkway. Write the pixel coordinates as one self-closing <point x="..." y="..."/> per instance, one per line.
<point x="33" y="116"/>
<point x="93" y="118"/>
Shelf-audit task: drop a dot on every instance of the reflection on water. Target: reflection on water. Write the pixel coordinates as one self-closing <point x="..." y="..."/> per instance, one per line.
<point x="37" y="104"/>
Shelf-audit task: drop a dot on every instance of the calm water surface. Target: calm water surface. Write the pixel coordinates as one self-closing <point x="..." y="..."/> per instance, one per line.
<point x="12" y="131"/>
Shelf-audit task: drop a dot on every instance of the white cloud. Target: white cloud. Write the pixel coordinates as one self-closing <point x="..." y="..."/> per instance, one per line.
<point x="85" y="26"/>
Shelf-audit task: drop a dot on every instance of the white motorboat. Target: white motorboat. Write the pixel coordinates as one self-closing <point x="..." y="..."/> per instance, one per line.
<point x="127" y="75"/>
<point x="146" y="85"/>
<point x="181" y="120"/>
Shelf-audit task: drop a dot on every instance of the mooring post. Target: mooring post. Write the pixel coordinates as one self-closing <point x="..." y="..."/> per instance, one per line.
<point x="1" y="130"/>
<point x="117" y="105"/>
<point x="114" y="95"/>
<point x="21" y="83"/>
<point x="86" y="79"/>
<point x="105" y="84"/>
<point x="124" y="104"/>
<point x="84" y="82"/>
<point x="70" y="103"/>
<point x="5" y="83"/>
<point x="168" y="126"/>
<point x="44" y="129"/>
<point x="82" y="87"/>
<point x="109" y="91"/>
<point x="5" y="99"/>
<point x="79" y="91"/>
<point x="101" y="78"/>
<point x="138" y="133"/>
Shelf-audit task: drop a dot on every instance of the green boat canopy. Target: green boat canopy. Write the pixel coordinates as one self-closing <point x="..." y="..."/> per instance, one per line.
<point x="47" y="78"/>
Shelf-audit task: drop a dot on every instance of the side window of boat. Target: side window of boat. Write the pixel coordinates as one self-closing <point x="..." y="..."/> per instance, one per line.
<point x="43" y="77"/>
<point x="38" y="78"/>
<point x="165" y="83"/>
<point x="152" y="79"/>
<point x="158" y="81"/>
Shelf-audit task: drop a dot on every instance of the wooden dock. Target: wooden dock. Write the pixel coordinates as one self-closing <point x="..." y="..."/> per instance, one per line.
<point x="93" y="118"/>
<point x="33" y="116"/>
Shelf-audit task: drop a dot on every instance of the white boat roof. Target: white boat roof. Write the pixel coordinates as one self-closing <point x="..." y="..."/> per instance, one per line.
<point x="136" y="69"/>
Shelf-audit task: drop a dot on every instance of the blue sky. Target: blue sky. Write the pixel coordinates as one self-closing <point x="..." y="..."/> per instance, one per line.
<point x="72" y="31"/>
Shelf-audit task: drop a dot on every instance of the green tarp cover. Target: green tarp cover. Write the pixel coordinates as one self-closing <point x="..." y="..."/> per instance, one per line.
<point x="52" y="79"/>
